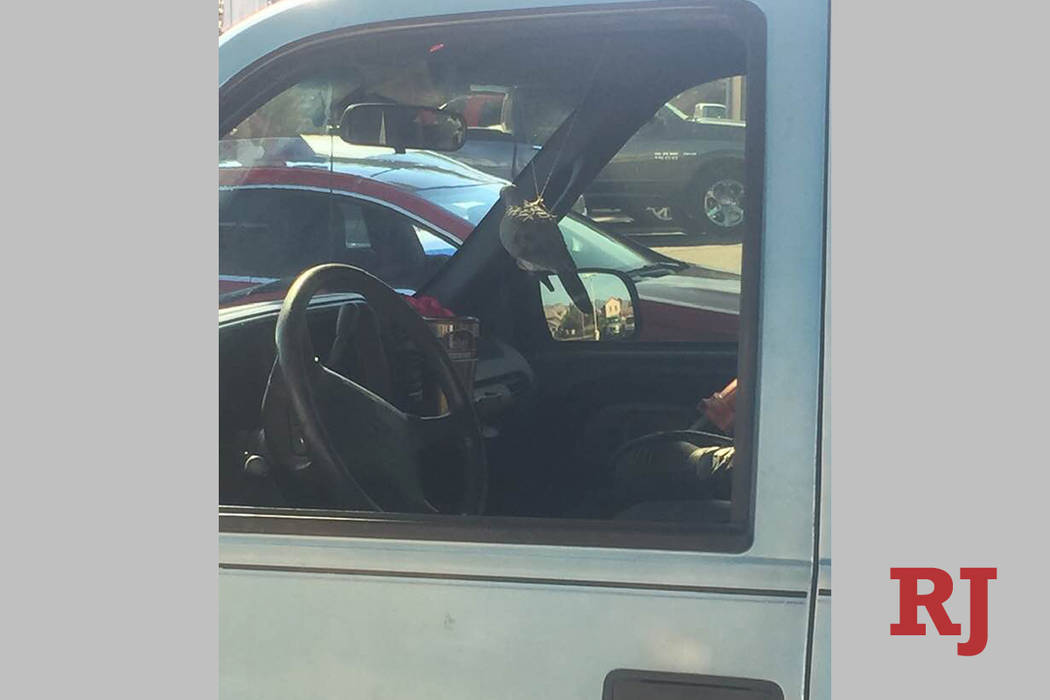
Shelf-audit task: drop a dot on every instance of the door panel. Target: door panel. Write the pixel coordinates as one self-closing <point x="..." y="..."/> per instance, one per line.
<point x="343" y="616"/>
<point x="591" y="401"/>
<point x="370" y="628"/>
<point x="676" y="378"/>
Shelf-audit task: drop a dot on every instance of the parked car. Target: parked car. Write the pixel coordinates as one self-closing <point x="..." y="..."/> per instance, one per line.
<point x="277" y="215"/>
<point x="678" y="171"/>
<point x="400" y="216"/>
<point x="461" y="509"/>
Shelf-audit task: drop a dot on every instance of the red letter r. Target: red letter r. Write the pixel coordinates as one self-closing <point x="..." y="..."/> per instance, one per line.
<point x="910" y="600"/>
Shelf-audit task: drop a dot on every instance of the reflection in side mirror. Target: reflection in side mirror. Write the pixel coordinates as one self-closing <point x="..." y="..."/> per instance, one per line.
<point x="615" y="301"/>
<point x="402" y="126"/>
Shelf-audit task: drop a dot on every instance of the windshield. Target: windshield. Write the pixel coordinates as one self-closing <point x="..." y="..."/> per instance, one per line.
<point x="588" y="244"/>
<point x="591" y="247"/>
<point x="294" y="194"/>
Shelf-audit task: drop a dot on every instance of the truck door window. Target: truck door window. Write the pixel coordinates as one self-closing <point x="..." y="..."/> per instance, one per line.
<point x="635" y="439"/>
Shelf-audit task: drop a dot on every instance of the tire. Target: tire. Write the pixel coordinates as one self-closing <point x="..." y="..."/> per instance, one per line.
<point x="714" y="204"/>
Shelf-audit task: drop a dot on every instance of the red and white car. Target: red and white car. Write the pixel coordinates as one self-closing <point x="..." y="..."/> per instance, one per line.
<point x="290" y="204"/>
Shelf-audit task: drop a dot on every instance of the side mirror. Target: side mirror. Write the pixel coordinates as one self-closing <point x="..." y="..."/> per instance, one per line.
<point x="402" y="126"/>
<point x="615" y="300"/>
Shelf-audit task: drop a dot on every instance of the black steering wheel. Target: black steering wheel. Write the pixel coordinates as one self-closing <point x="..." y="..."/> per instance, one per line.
<point x="372" y="454"/>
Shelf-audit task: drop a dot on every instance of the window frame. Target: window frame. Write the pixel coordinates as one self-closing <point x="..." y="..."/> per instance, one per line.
<point x="748" y="22"/>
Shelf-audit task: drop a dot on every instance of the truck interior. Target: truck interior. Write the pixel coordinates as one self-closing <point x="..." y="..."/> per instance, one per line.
<point x="327" y="402"/>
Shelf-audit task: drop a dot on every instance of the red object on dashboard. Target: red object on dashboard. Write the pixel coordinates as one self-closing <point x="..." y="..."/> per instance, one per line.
<point x="428" y="307"/>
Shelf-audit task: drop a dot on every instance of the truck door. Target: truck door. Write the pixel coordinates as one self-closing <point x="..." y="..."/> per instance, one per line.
<point x="541" y="595"/>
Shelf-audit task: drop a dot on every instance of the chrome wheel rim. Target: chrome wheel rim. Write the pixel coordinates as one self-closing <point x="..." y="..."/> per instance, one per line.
<point x="724" y="203"/>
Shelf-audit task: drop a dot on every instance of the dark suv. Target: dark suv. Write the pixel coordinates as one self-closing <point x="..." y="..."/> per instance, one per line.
<point x="644" y="181"/>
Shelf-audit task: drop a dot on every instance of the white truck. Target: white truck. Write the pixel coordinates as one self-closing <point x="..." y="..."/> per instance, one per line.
<point x="392" y="527"/>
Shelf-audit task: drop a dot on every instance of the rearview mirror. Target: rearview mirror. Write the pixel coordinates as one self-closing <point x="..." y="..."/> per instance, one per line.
<point x="615" y="301"/>
<point x="402" y="126"/>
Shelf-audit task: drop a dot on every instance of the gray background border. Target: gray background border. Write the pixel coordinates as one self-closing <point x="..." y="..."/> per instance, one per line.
<point x="938" y="347"/>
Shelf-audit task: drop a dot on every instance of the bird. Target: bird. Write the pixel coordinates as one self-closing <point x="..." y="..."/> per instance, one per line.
<point x="530" y="233"/>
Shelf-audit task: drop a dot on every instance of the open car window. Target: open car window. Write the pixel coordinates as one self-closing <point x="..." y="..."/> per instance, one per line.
<point x="650" y="255"/>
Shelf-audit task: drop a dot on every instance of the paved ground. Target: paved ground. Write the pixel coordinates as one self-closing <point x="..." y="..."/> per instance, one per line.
<point x="721" y="257"/>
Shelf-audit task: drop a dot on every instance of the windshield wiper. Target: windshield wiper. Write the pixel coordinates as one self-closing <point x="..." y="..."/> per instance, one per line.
<point x="658" y="269"/>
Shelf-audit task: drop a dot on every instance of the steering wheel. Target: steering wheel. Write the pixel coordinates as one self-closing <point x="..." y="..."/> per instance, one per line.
<point x="372" y="454"/>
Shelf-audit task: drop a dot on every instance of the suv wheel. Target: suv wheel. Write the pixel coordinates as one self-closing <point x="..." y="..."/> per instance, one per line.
<point x="714" y="203"/>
